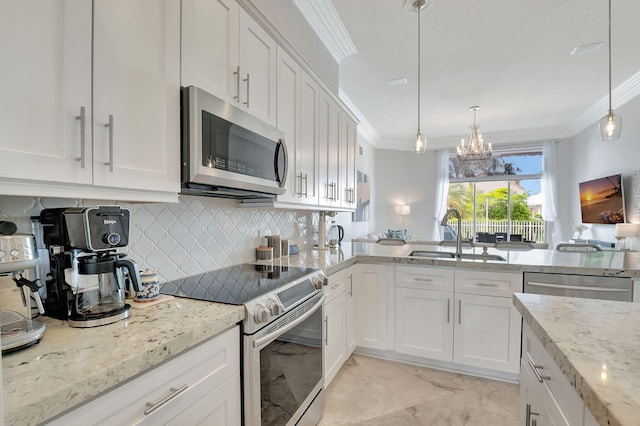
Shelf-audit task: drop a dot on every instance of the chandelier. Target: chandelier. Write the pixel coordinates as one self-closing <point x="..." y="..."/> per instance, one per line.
<point x="420" y="141"/>
<point x="611" y="124"/>
<point x="475" y="157"/>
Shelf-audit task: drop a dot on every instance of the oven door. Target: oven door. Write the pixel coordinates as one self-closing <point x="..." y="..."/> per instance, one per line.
<point x="283" y="368"/>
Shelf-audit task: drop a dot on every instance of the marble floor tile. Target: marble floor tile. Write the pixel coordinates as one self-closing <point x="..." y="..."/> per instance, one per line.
<point x="369" y="391"/>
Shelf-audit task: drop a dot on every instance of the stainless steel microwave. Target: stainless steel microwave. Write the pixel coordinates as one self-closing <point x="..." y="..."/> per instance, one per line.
<point x="226" y="152"/>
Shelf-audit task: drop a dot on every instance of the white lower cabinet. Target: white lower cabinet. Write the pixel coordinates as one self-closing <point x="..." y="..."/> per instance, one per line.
<point x="369" y="291"/>
<point x="335" y="316"/>
<point x="351" y="311"/>
<point x="201" y="386"/>
<point x="439" y="317"/>
<point x="546" y="397"/>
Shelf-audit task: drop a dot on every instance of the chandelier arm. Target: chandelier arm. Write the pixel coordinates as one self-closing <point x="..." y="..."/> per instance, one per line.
<point x="419" y="10"/>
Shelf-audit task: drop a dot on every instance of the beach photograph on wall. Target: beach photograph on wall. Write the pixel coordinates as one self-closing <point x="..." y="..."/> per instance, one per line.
<point x="602" y="200"/>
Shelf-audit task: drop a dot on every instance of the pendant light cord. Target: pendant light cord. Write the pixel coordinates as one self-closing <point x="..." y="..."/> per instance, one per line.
<point x="420" y="10"/>
<point x="610" y="109"/>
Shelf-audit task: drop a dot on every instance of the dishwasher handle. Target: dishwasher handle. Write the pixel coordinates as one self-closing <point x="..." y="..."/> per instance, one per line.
<point x="576" y="287"/>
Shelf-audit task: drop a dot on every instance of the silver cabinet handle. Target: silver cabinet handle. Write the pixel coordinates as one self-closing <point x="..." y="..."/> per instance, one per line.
<point x="326" y="331"/>
<point x="426" y="280"/>
<point x="536" y="370"/>
<point x="306" y="185"/>
<point x="350" y="285"/>
<point x="153" y="406"/>
<point x="299" y="192"/>
<point x="110" y="126"/>
<point x="248" y="91"/>
<point x="335" y="191"/>
<point x="486" y="285"/>
<point x="448" y="311"/>
<point x="459" y="311"/>
<point x="529" y="413"/>
<point x="237" y="74"/>
<point x="83" y="154"/>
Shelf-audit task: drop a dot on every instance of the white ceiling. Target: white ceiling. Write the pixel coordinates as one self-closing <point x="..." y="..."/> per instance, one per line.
<point x="510" y="57"/>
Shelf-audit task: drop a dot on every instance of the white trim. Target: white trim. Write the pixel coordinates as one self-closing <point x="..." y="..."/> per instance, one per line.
<point x="364" y="127"/>
<point x="325" y="22"/>
<point x="622" y="94"/>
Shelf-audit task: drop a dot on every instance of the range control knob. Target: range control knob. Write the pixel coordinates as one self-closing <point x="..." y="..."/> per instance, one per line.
<point x="274" y="307"/>
<point x="319" y="281"/>
<point x="260" y="314"/>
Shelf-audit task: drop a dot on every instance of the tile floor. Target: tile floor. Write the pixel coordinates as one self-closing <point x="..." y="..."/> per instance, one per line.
<point x="370" y="391"/>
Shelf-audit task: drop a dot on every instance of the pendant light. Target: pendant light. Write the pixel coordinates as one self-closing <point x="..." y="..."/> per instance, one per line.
<point x="420" y="142"/>
<point x="611" y="124"/>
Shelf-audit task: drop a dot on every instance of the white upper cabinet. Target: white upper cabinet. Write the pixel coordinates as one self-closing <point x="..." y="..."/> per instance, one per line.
<point x="46" y="139"/>
<point x="228" y="54"/>
<point x="136" y="94"/>
<point x="308" y="142"/>
<point x="210" y="46"/>
<point x="257" y="70"/>
<point x="45" y="83"/>
<point x="347" y="162"/>
<point x="288" y="120"/>
<point x="328" y="143"/>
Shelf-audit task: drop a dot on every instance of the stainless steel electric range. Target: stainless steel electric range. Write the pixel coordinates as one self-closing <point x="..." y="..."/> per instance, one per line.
<point x="283" y="333"/>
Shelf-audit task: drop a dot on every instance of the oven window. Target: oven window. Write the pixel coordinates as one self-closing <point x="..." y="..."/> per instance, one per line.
<point x="226" y="146"/>
<point x="290" y="367"/>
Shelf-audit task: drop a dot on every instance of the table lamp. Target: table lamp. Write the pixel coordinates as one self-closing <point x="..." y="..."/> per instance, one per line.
<point x="624" y="230"/>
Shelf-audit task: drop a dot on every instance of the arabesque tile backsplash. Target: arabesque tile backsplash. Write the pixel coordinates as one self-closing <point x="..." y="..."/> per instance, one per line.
<point x="186" y="238"/>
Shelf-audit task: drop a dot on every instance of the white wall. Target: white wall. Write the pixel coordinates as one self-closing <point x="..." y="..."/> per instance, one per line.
<point x="403" y="177"/>
<point x="586" y="157"/>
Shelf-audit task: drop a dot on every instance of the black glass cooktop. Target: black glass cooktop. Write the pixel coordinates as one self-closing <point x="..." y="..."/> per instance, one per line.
<point x="234" y="285"/>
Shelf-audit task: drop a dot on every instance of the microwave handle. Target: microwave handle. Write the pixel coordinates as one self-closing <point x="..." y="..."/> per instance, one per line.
<point x="281" y="151"/>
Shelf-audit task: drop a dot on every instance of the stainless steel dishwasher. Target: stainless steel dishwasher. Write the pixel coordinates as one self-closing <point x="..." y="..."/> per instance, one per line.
<point x="586" y="286"/>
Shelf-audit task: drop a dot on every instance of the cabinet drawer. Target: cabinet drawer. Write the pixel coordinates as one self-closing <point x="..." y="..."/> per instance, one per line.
<point x="535" y="357"/>
<point x="424" y="278"/>
<point x="499" y="284"/>
<point x="201" y="370"/>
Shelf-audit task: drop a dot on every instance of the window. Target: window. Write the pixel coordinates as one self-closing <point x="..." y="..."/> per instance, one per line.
<point x="502" y="203"/>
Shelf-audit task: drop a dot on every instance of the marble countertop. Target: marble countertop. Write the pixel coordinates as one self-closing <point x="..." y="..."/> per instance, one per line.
<point x="72" y="365"/>
<point x="596" y="345"/>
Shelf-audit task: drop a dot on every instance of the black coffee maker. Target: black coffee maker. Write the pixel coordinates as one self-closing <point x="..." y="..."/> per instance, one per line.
<point x="88" y="275"/>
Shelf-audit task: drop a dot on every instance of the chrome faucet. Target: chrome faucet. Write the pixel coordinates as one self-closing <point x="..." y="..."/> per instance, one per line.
<point x="445" y="222"/>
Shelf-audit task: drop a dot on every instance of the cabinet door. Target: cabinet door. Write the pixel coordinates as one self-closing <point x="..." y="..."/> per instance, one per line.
<point x="537" y="405"/>
<point x="424" y="323"/>
<point x="369" y="290"/>
<point x="347" y="161"/>
<point x="335" y="339"/>
<point x="288" y="111"/>
<point x="487" y="333"/>
<point x="257" y="70"/>
<point x="46" y="82"/>
<point x="210" y="31"/>
<point x="308" y="142"/>
<point x="136" y="82"/>
<point x="351" y="312"/>
<point x="328" y="137"/>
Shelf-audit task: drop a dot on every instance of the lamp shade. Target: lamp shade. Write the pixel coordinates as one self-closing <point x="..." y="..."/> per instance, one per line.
<point x="626" y="230"/>
<point x="403" y="210"/>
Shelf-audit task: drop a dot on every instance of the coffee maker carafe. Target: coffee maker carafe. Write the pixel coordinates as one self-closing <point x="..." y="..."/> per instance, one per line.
<point x="88" y="273"/>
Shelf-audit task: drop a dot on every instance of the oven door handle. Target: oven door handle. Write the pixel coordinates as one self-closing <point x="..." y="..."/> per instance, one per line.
<point x="264" y="341"/>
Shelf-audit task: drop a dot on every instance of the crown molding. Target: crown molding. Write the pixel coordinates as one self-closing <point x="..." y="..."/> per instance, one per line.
<point x="364" y="127"/>
<point x="325" y="22"/>
<point x="622" y="94"/>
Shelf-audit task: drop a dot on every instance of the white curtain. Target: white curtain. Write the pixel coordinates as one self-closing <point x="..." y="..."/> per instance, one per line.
<point x="442" y="192"/>
<point x="549" y="187"/>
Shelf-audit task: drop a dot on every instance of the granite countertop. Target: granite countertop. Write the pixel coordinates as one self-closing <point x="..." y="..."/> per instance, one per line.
<point x="596" y="345"/>
<point x="42" y="381"/>
<point x="72" y="365"/>
<point x="602" y="263"/>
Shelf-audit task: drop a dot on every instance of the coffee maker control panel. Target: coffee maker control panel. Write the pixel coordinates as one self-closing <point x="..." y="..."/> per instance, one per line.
<point x="112" y="239"/>
<point x="96" y="229"/>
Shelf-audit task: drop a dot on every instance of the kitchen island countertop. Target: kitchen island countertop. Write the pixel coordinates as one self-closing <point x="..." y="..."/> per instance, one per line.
<point x="596" y="345"/>
<point x="72" y="365"/>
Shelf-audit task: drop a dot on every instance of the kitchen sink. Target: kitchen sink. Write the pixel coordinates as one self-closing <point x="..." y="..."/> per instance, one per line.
<point x="473" y="256"/>
<point x="433" y="254"/>
<point x="449" y="255"/>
